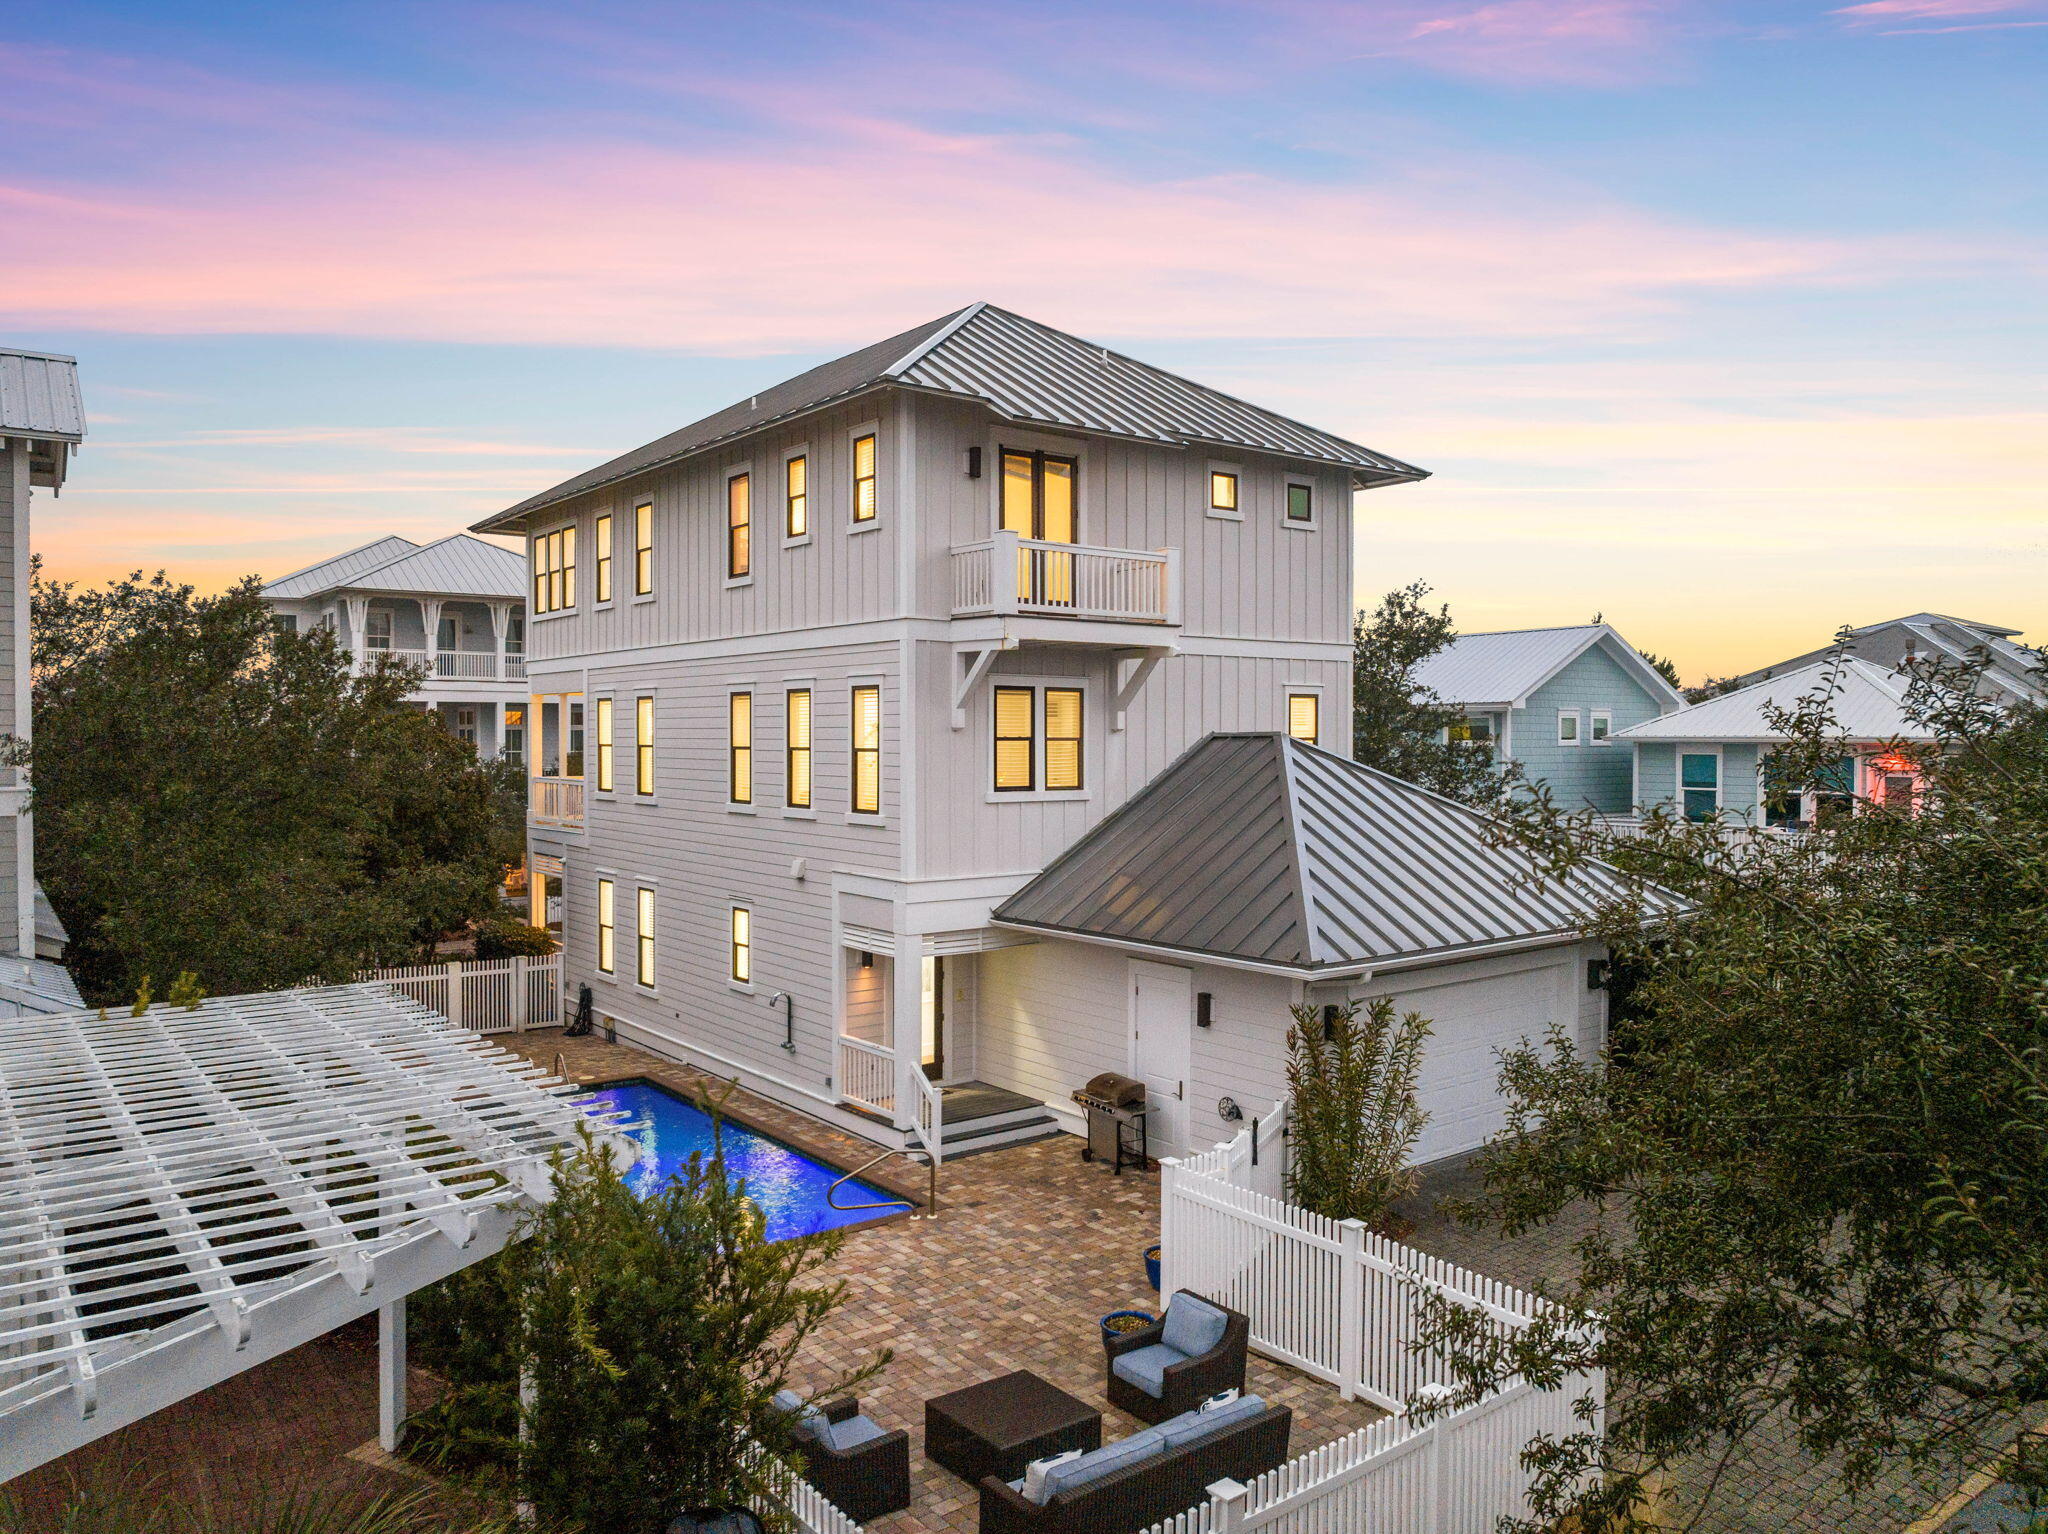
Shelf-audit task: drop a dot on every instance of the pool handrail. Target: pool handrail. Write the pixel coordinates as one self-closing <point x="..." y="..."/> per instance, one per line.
<point x="932" y="1203"/>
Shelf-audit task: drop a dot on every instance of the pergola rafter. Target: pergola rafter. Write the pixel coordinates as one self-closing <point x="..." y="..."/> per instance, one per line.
<point x="186" y="1193"/>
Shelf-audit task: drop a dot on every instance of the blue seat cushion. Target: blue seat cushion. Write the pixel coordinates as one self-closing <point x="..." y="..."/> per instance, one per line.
<point x="1090" y="1468"/>
<point x="1146" y="1367"/>
<point x="1193" y="1327"/>
<point x="1194" y="1427"/>
<point x="850" y="1434"/>
<point x="808" y="1418"/>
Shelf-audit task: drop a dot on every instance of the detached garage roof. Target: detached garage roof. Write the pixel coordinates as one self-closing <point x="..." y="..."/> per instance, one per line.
<point x="1024" y="372"/>
<point x="1263" y="850"/>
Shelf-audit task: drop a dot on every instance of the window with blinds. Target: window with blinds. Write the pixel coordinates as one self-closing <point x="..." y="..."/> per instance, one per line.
<point x="739" y="526"/>
<point x="740" y="748"/>
<point x="796" y="780"/>
<point x="1305" y="716"/>
<point x="643" y="745"/>
<point x="867" y="750"/>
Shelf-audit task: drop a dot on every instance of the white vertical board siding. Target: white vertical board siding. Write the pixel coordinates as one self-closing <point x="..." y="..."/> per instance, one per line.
<point x="702" y="858"/>
<point x="14" y="494"/>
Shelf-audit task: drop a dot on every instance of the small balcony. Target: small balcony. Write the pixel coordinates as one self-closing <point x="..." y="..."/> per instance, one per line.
<point x="555" y="802"/>
<point x="451" y="665"/>
<point x="1010" y="576"/>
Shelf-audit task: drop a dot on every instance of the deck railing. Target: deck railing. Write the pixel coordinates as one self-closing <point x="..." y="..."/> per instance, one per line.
<point x="1007" y="574"/>
<point x="867" y="1075"/>
<point x="480" y="665"/>
<point x="556" y="801"/>
<point x="452" y="665"/>
<point x="484" y="995"/>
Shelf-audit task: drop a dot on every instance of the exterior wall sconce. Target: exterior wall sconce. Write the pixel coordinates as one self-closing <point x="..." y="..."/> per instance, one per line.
<point x="1205" y="1010"/>
<point x="974" y="463"/>
<point x="867" y="960"/>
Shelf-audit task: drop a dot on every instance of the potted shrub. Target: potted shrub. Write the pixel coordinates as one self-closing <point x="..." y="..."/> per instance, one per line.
<point x="1117" y="1322"/>
<point x="1152" y="1266"/>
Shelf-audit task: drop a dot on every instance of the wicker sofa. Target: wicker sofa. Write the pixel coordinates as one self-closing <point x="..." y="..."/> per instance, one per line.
<point x="1185" y="1372"/>
<point x="858" y="1468"/>
<point x="1153" y="1477"/>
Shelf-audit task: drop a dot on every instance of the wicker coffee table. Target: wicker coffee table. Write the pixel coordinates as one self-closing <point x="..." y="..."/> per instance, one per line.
<point x="1001" y="1425"/>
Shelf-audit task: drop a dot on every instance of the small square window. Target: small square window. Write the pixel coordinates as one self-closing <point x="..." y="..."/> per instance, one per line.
<point x="1600" y="726"/>
<point x="1304" y="716"/>
<point x="1567" y="727"/>
<point x="1222" y="490"/>
<point x="1301" y="503"/>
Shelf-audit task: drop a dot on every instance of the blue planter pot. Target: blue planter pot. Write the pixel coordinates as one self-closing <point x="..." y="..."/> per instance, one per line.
<point x="1110" y="1330"/>
<point x="1152" y="1267"/>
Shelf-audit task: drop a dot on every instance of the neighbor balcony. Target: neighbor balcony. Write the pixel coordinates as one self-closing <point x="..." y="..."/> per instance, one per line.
<point x="1012" y="576"/>
<point x="452" y="665"/>
<point x="555" y="802"/>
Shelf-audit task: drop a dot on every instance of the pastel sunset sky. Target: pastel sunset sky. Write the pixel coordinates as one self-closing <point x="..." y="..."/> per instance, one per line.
<point x="1723" y="319"/>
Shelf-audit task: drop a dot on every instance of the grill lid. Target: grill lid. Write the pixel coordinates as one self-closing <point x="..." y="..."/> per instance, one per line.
<point x="1117" y="1091"/>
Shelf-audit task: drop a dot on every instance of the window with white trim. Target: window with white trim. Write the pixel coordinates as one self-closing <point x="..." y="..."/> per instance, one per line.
<point x="643" y="746"/>
<point x="1699" y="783"/>
<point x="796" y="496"/>
<point x="739" y="741"/>
<point x="607" y="928"/>
<point x="644" y="934"/>
<point x="1305" y="716"/>
<point x="643" y="548"/>
<point x="866" y="729"/>
<point x="1301" y="503"/>
<point x="602" y="538"/>
<point x="739" y="526"/>
<point x="741" y="946"/>
<point x="1600" y="726"/>
<point x="864" y="477"/>
<point x="1223" y="492"/>
<point x="796" y="774"/>
<point x="554" y="570"/>
<point x="1039" y="732"/>
<point x="604" y="745"/>
<point x="1568" y="727"/>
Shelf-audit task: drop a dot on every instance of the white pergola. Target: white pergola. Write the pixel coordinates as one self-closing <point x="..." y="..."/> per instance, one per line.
<point x="188" y="1193"/>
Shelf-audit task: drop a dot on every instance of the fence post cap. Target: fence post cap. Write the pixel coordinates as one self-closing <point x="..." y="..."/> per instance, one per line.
<point x="1228" y="1490"/>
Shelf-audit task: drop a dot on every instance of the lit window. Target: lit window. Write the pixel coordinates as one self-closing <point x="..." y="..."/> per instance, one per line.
<point x="796" y="497"/>
<point x="1038" y="495"/>
<point x="643" y="745"/>
<point x="742" y="945"/>
<point x="1479" y="730"/>
<point x="542" y="553"/>
<point x="1567" y="727"/>
<point x="1301" y="503"/>
<point x="515" y="736"/>
<point x="740" y="737"/>
<point x="1016" y="718"/>
<point x="554" y="570"/>
<point x="604" y="745"/>
<point x="739" y="526"/>
<point x="1062" y="738"/>
<point x="797" y="778"/>
<point x="864" y="478"/>
<point x="643" y="548"/>
<point x="1305" y="716"/>
<point x="645" y="971"/>
<point x="1600" y="726"/>
<point x="1222" y="490"/>
<point x="867" y="750"/>
<point x="1699" y="780"/>
<point x="603" y="538"/>
<point x="607" y="932"/>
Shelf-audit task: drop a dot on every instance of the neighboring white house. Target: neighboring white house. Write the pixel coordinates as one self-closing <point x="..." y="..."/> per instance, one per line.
<point x="1552" y="700"/>
<point x="1713" y="758"/>
<point x="456" y="606"/>
<point x="42" y="421"/>
<point x="2011" y="671"/>
<point x="824" y="680"/>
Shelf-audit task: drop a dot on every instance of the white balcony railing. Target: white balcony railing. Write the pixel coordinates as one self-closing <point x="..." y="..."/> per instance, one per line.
<point x="479" y="665"/>
<point x="867" y="1074"/>
<point x="376" y="655"/>
<point x="451" y="665"/>
<point x="1008" y="574"/>
<point x="556" y="801"/>
<point x="515" y="667"/>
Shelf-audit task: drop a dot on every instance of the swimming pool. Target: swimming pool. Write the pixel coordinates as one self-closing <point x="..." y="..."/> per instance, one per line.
<point x="788" y="1185"/>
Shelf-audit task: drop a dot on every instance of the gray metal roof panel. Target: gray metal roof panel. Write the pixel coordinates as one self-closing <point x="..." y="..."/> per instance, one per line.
<point x="458" y="565"/>
<point x="39" y="395"/>
<point x="1022" y="370"/>
<point x="1868" y="704"/>
<point x="1475" y="670"/>
<point x="1264" y="849"/>
<point x="329" y="573"/>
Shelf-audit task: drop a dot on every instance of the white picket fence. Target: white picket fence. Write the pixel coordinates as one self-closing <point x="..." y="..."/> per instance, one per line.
<point x="1334" y="1300"/>
<point x="484" y="995"/>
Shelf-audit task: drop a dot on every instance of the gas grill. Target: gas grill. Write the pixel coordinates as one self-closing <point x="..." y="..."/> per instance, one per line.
<point x="1115" y="1106"/>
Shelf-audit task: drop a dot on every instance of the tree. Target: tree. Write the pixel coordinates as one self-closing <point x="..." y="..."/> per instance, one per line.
<point x="1355" y="1118"/>
<point x="655" y="1331"/>
<point x="214" y="797"/>
<point x="1822" y="1172"/>
<point x="1663" y="665"/>
<point x="1400" y="726"/>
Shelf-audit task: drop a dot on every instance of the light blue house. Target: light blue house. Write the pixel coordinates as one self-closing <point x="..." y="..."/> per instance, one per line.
<point x="1713" y="758"/>
<point x="1554" y="701"/>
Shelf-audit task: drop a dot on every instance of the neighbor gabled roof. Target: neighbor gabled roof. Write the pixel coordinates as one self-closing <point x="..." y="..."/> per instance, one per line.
<point x="2013" y="668"/>
<point x="39" y="396"/>
<point x="1266" y="851"/>
<point x="1023" y="371"/>
<point x="1869" y="704"/>
<point x="1500" y="670"/>
<point x="329" y="573"/>
<point x="458" y="565"/>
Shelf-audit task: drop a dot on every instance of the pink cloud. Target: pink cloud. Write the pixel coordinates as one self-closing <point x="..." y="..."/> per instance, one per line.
<point x="1928" y="10"/>
<point x="1525" y="42"/>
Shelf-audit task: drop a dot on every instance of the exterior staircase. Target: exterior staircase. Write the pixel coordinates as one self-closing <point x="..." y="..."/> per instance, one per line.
<point x="979" y="1117"/>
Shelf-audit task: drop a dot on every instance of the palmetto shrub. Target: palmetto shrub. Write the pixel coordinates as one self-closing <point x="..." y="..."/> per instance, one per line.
<point x="1355" y="1119"/>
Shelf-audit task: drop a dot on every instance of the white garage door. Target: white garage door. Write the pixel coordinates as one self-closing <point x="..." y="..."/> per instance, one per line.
<point x="1471" y="1021"/>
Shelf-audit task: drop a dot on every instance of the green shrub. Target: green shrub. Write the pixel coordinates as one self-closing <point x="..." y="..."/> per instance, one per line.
<point x="1355" y="1119"/>
<point x="501" y="937"/>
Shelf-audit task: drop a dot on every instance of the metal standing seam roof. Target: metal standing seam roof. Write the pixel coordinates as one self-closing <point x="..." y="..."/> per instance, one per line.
<point x="39" y="395"/>
<point x="1502" y="669"/>
<point x="185" y="1194"/>
<point x="1263" y="849"/>
<point x="1024" y="371"/>
<point x="1868" y="705"/>
<point x="457" y="565"/>
<point x="334" y="571"/>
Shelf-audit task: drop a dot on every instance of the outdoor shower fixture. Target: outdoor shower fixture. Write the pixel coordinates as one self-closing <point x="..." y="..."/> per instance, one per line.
<point x="787" y="1002"/>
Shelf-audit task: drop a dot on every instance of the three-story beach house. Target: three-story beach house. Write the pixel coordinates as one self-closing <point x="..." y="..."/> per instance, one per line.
<point x="967" y="716"/>
<point x="456" y="606"/>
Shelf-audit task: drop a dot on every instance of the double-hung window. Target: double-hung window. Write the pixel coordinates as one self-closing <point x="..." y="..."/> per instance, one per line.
<point x="867" y="750"/>
<point x="1568" y="727"/>
<point x="604" y="745"/>
<point x="739" y="526"/>
<point x="554" y="570"/>
<point x="601" y="535"/>
<point x="643" y="548"/>
<point x="864" y="478"/>
<point x="1039" y="739"/>
<point x="377" y="629"/>
<point x="796" y="496"/>
<point x="643" y="745"/>
<point x="1699" y="782"/>
<point x="607" y="926"/>
<point x="1600" y="726"/>
<point x="1305" y="716"/>
<point x="742" y="946"/>
<point x="739" y="786"/>
<point x="1476" y="729"/>
<point x="796" y="791"/>
<point x="644" y="969"/>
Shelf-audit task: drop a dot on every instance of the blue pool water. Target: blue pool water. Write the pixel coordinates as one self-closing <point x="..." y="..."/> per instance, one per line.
<point x="788" y="1185"/>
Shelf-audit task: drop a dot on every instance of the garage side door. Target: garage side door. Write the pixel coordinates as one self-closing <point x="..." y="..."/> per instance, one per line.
<point x="1471" y="1021"/>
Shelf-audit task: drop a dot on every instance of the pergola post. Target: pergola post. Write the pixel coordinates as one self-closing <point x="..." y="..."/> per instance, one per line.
<point x="391" y="1374"/>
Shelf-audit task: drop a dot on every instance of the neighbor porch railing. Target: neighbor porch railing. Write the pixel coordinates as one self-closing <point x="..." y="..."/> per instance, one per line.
<point x="1008" y="574"/>
<point x="867" y="1075"/>
<point x="484" y="995"/>
<point x="556" y="801"/>
<point x="454" y="665"/>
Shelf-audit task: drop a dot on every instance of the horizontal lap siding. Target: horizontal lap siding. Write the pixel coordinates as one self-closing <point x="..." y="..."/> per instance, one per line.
<point x="1656" y="773"/>
<point x="1583" y="774"/>
<point x="703" y="858"/>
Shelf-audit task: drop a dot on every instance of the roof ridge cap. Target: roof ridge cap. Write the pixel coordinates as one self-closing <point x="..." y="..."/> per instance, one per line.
<point x="292" y="575"/>
<point x="1305" y="905"/>
<point x="931" y="343"/>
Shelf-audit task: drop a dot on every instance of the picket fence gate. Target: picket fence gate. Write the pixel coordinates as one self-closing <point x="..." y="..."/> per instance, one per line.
<point x="484" y="995"/>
